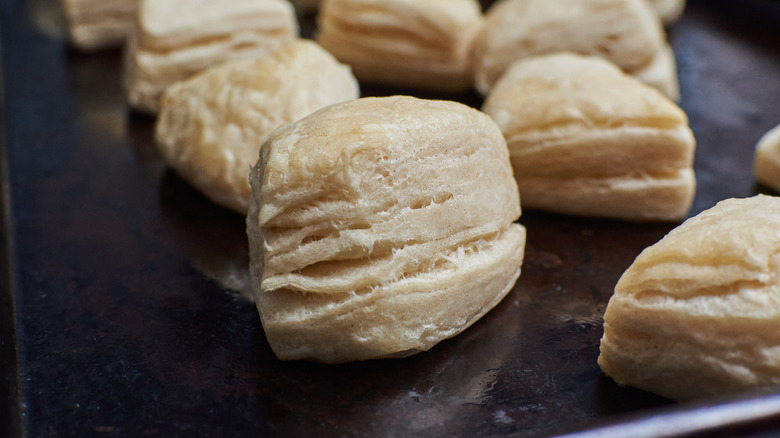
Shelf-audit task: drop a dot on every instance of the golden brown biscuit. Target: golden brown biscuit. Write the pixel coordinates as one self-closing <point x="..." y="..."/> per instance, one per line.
<point x="425" y="44"/>
<point x="698" y="313"/>
<point x="175" y="39"/>
<point x="211" y="126"/>
<point x="379" y="227"/>
<point x="99" y="24"/>
<point x="669" y="10"/>
<point x="767" y="161"/>
<point x="587" y="139"/>
<point x="626" y="32"/>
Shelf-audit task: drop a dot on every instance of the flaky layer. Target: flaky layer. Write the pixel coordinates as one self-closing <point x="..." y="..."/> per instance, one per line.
<point x="412" y="43"/>
<point x="169" y="47"/>
<point x="636" y="197"/>
<point x="578" y="150"/>
<point x="387" y="206"/>
<point x="767" y="160"/>
<point x="211" y="126"/>
<point x="585" y="138"/>
<point x="400" y="318"/>
<point x="698" y="313"/>
<point x="626" y="32"/>
<point x="165" y="25"/>
<point x="565" y="88"/>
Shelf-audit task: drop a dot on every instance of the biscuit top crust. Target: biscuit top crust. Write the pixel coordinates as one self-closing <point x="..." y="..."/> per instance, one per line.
<point x="211" y="125"/>
<point x="170" y="24"/>
<point x="425" y="44"/>
<point x="724" y="262"/>
<point x="627" y="32"/>
<point x="434" y="17"/>
<point x="561" y="89"/>
<point x="352" y="151"/>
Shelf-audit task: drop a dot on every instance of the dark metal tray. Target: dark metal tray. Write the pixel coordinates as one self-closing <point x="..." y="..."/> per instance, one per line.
<point x="118" y="316"/>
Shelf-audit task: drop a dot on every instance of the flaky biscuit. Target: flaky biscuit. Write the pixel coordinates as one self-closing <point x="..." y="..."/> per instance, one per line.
<point x="424" y="44"/>
<point x="698" y="313"/>
<point x="585" y="138"/>
<point x="99" y="24"/>
<point x="766" y="166"/>
<point x="626" y="32"/>
<point x="379" y="227"/>
<point x="211" y="126"/>
<point x="175" y="39"/>
<point x="661" y="73"/>
<point x="669" y="10"/>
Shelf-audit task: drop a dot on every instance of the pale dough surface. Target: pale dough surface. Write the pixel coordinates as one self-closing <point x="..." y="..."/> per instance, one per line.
<point x="174" y="39"/>
<point x="381" y="226"/>
<point x="212" y="125"/>
<point x="698" y="313"/>
<point x="628" y="33"/>
<point x="587" y="139"/>
<point x="423" y="44"/>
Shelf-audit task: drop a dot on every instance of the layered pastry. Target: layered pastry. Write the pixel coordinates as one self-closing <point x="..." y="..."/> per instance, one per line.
<point x="587" y="139"/>
<point x="698" y="313"/>
<point x="211" y="126"/>
<point x="381" y="226"/>
<point x="175" y="39"/>
<point x="423" y="44"/>
<point x="626" y="32"/>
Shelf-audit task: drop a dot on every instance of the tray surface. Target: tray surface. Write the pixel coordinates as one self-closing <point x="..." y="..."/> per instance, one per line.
<point x="119" y="280"/>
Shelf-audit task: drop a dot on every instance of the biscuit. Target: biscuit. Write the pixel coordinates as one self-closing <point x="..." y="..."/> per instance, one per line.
<point x="698" y="313"/>
<point x="379" y="227"/>
<point x="99" y="24"/>
<point x="661" y="73"/>
<point x="211" y="126"/>
<point x="404" y="43"/>
<point x="175" y="39"/>
<point x="669" y="10"/>
<point x="587" y="139"/>
<point x="626" y="32"/>
<point x="766" y="167"/>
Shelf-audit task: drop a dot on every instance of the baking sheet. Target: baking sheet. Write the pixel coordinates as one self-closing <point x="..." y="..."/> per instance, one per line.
<point x="119" y="280"/>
